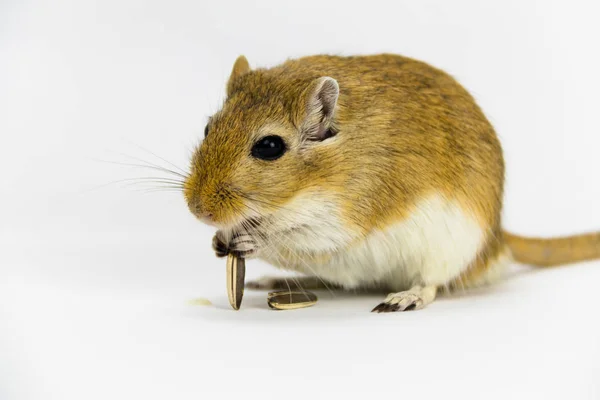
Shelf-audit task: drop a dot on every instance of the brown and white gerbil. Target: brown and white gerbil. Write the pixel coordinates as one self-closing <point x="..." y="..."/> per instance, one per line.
<point x="367" y="172"/>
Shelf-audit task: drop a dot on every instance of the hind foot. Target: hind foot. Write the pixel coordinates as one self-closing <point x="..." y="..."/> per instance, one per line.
<point x="414" y="299"/>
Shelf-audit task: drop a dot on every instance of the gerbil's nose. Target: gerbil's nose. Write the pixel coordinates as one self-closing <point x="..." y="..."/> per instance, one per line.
<point x="203" y="215"/>
<point x="207" y="218"/>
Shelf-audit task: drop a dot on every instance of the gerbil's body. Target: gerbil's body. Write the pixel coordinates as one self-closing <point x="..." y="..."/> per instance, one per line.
<point x="388" y="176"/>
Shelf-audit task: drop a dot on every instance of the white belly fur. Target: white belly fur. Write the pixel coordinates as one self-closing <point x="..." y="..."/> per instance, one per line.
<point x="432" y="246"/>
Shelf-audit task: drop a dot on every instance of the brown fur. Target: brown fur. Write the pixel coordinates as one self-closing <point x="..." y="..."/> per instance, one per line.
<point x="406" y="129"/>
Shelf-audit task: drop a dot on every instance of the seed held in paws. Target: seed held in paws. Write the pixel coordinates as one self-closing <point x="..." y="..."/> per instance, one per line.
<point x="236" y="271"/>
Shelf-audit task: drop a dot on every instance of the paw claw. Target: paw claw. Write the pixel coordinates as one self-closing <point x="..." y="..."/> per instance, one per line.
<point x="409" y="300"/>
<point x="385" y="307"/>
<point x="377" y="308"/>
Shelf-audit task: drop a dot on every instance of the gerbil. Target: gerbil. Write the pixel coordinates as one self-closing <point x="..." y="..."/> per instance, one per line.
<point x="370" y="172"/>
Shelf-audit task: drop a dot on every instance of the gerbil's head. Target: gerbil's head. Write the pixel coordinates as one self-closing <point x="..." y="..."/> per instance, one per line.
<point x="274" y="138"/>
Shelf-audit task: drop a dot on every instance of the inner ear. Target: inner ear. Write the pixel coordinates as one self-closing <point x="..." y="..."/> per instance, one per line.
<point x="320" y="109"/>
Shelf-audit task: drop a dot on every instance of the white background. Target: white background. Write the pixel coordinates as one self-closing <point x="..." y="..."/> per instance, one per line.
<point x="95" y="282"/>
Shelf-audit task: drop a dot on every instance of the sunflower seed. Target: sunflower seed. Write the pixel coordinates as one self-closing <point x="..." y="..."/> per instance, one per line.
<point x="289" y="300"/>
<point x="236" y="271"/>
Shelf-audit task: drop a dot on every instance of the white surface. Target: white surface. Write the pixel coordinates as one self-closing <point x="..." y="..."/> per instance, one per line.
<point x="95" y="284"/>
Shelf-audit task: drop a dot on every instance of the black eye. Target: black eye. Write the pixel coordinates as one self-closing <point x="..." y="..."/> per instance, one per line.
<point x="269" y="148"/>
<point x="206" y="130"/>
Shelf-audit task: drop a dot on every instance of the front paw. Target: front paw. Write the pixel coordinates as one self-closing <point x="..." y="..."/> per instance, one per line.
<point x="219" y="245"/>
<point x="241" y="245"/>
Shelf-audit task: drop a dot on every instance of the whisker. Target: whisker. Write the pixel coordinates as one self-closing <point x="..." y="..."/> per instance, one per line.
<point x="161" y="182"/>
<point x="248" y="227"/>
<point x="139" y="180"/>
<point x="147" y="165"/>
<point x="304" y="292"/>
<point x="159" y="157"/>
<point x="153" y="190"/>
<point x="272" y="248"/>
<point x="295" y="254"/>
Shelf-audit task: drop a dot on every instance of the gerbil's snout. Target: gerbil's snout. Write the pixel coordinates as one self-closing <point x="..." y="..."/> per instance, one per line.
<point x="194" y="192"/>
<point x="199" y="202"/>
<point x="211" y="199"/>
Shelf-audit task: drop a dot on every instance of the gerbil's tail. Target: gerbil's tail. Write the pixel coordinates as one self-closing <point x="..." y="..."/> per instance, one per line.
<point x="556" y="251"/>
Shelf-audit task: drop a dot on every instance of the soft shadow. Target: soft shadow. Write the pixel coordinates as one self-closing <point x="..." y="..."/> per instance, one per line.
<point x="340" y="306"/>
<point x="254" y="308"/>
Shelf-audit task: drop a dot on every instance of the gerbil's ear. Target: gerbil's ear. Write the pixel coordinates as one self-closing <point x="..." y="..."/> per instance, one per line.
<point x="320" y="109"/>
<point x="240" y="67"/>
